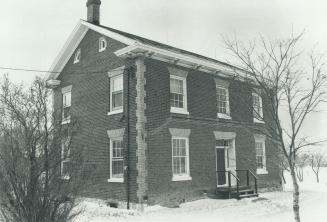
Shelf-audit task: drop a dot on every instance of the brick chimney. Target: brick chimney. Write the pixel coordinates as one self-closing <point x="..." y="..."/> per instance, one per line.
<point x="93" y="11"/>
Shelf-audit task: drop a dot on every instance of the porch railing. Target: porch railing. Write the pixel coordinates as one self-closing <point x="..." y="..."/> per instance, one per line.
<point x="248" y="174"/>
<point x="230" y="174"/>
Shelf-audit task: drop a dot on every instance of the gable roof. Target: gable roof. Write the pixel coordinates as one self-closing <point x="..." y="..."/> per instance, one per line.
<point x="138" y="45"/>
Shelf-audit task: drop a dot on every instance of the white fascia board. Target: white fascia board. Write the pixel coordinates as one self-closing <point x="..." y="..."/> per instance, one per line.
<point x="164" y="55"/>
<point x="68" y="49"/>
<point x="74" y="40"/>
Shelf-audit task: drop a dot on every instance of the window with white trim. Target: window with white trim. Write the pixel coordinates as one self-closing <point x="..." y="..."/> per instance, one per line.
<point x="102" y="44"/>
<point x="260" y="155"/>
<point x="77" y="56"/>
<point x="180" y="157"/>
<point x="222" y="97"/>
<point x="116" y="159"/>
<point x="65" y="156"/>
<point x="257" y="108"/>
<point x="178" y="94"/>
<point x="66" y="104"/>
<point x="116" y="93"/>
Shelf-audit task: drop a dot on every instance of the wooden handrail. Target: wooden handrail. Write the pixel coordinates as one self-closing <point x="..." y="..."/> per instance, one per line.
<point x="253" y="174"/>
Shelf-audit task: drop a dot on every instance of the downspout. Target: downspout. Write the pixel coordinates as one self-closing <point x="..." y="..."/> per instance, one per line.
<point x="127" y="141"/>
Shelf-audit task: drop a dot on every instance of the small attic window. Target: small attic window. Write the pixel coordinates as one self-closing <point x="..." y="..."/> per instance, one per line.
<point x="77" y="56"/>
<point x="102" y="44"/>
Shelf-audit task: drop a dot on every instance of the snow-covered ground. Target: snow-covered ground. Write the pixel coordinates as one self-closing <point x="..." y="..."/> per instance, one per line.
<point x="270" y="206"/>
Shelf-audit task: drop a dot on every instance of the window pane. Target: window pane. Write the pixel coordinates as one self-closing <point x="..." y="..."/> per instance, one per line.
<point x="259" y="162"/>
<point x="117" y="99"/>
<point x="183" y="165"/>
<point x="176" y="86"/>
<point x="66" y="99"/>
<point x="176" y="100"/>
<point x="66" y="113"/>
<point x="117" y="168"/>
<point x="117" y="83"/>
<point x="65" y="168"/>
<point x="222" y="143"/>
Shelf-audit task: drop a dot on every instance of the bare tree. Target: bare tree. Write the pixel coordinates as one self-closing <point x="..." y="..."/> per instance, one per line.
<point x="316" y="162"/>
<point x="34" y="184"/>
<point x="301" y="162"/>
<point x="291" y="92"/>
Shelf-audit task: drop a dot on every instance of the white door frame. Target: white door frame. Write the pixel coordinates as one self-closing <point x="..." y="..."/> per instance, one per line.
<point x="229" y="166"/>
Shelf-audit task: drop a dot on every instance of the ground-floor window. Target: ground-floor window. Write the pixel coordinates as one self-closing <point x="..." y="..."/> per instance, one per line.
<point x="260" y="154"/>
<point x="116" y="158"/>
<point x="180" y="154"/>
<point x="65" y="156"/>
<point x="116" y="155"/>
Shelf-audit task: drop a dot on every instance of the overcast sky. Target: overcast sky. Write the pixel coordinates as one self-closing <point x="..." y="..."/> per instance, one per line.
<point x="34" y="31"/>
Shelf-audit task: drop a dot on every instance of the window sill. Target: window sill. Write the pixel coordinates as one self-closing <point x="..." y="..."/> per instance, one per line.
<point x="116" y="180"/>
<point x="181" y="178"/>
<point x="262" y="171"/>
<point x="258" y="121"/>
<point x="66" y="121"/>
<point x="115" y="112"/>
<point x="223" y="116"/>
<point x="179" y="111"/>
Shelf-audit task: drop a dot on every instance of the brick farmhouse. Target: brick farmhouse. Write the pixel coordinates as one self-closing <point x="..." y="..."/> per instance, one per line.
<point x="158" y="123"/>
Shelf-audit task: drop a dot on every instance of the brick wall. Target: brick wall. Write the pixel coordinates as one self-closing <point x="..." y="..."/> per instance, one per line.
<point x="90" y="105"/>
<point x="202" y="121"/>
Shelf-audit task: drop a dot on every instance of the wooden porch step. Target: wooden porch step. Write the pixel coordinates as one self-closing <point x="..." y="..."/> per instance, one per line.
<point x="243" y="191"/>
<point x="247" y="195"/>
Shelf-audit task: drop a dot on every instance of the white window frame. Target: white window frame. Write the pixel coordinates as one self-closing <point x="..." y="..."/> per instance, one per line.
<point x="227" y="114"/>
<point x="256" y="120"/>
<point x="184" y="176"/>
<point x="63" y="159"/>
<point x="66" y="91"/>
<point x="178" y="110"/>
<point x="261" y="139"/>
<point x="120" y="109"/>
<point x="77" y="56"/>
<point x="102" y="47"/>
<point x="115" y="179"/>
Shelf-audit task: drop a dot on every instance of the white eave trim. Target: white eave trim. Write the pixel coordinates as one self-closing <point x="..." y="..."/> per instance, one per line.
<point x="136" y="48"/>
<point x="177" y="58"/>
<point x="75" y="39"/>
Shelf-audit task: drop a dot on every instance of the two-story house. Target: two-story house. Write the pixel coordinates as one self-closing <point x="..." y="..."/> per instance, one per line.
<point x="156" y="122"/>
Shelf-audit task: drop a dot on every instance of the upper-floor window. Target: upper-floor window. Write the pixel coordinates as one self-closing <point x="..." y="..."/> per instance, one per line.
<point x="102" y="44"/>
<point x="260" y="154"/>
<point x="77" y="56"/>
<point x="178" y="91"/>
<point x="257" y="107"/>
<point x="222" y="96"/>
<point x="66" y="104"/>
<point x="116" y="93"/>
